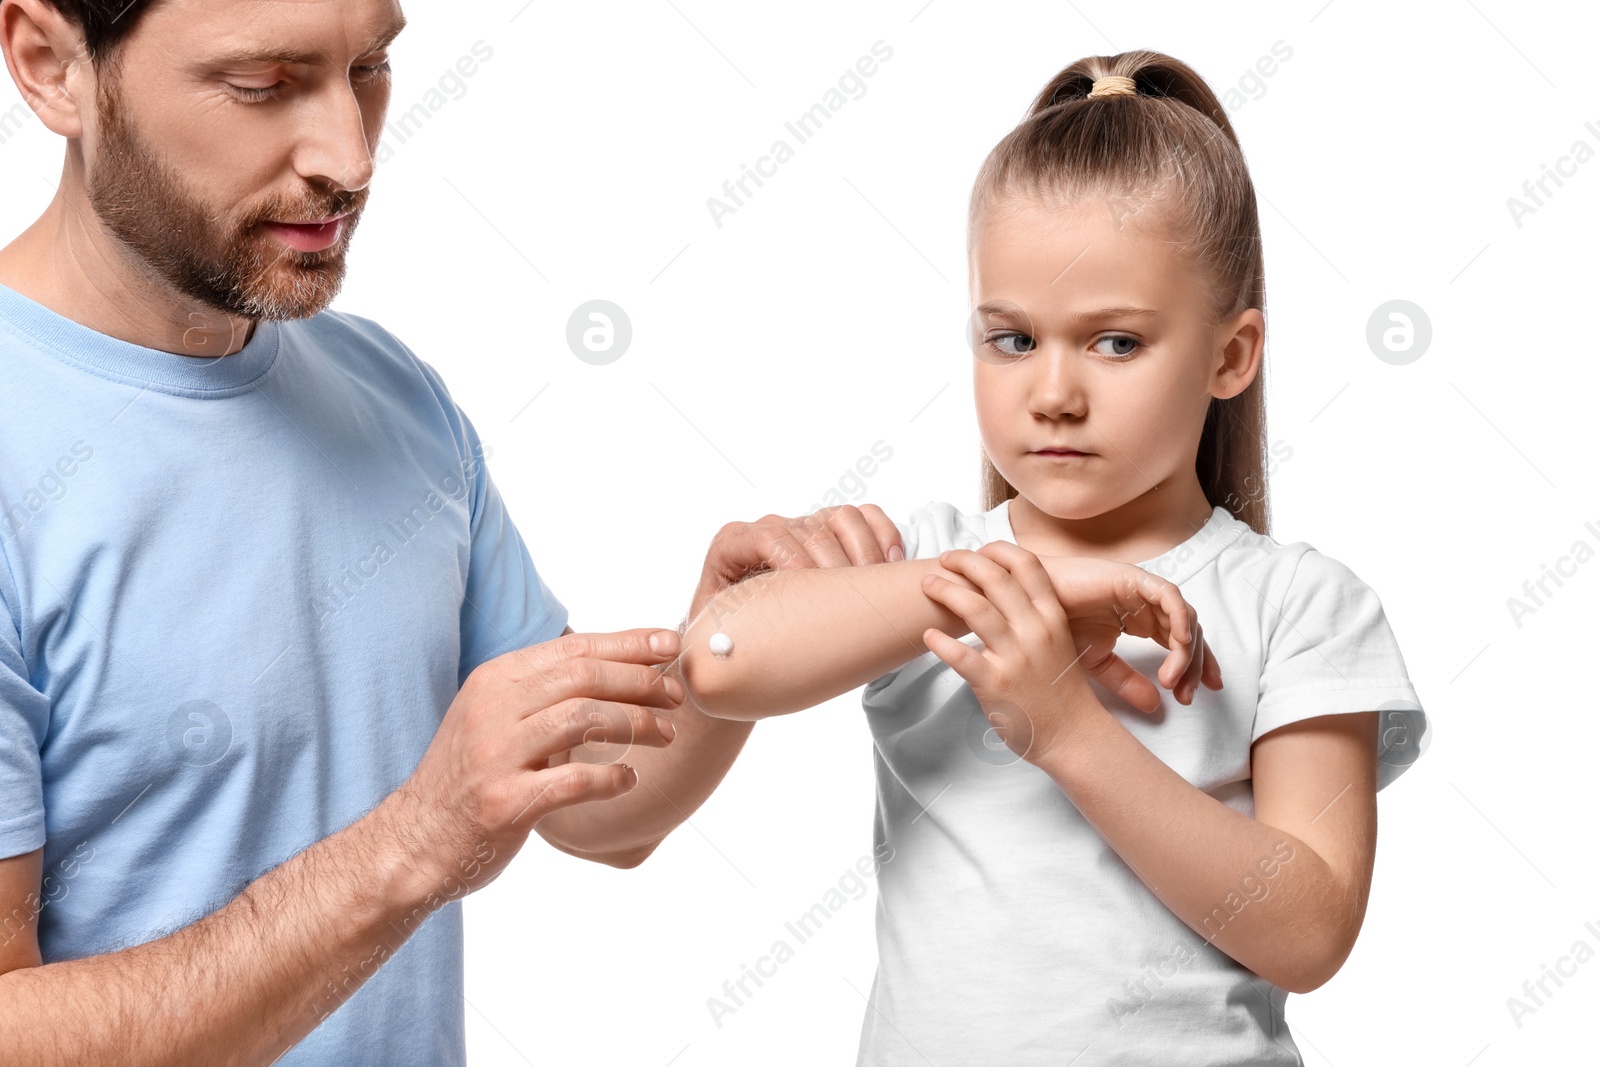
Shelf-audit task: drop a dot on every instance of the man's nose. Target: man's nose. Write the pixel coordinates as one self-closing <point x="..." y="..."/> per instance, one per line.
<point x="335" y="150"/>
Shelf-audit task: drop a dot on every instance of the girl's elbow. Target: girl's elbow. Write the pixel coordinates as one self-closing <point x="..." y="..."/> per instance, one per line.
<point x="708" y="688"/>
<point x="1317" y="967"/>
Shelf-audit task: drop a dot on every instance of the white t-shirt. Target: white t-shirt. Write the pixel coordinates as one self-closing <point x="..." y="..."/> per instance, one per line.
<point x="1009" y="930"/>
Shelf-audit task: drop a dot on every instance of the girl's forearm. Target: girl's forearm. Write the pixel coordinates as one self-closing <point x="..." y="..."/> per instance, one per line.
<point x="1256" y="892"/>
<point x="803" y="636"/>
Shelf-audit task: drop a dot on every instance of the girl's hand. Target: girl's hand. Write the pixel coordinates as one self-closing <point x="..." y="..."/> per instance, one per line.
<point x="1024" y="678"/>
<point x="1104" y="600"/>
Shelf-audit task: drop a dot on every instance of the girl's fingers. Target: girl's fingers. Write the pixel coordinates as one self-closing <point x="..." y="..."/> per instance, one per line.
<point x="1212" y="678"/>
<point x="961" y="657"/>
<point x="995" y="582"/>
<point x="1028" y="573"/>
<point x="975" y="609"/>
<point x="1191" y="677"/>
<point x="1177" y="613"/>
<point x="1116" y="675"/>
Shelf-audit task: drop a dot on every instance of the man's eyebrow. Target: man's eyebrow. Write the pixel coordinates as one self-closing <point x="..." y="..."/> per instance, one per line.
<point x="288" y="56"/>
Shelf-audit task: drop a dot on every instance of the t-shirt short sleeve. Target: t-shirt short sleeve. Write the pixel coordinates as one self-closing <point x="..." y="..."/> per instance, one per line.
<point x="506" y="604"/>
<point x="24" y="717"/>
<point x="933" y="528"/>
<point x="1330" y="650"/>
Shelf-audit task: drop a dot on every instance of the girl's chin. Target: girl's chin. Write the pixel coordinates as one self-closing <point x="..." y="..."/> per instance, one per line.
<point x="1058" y="504"/>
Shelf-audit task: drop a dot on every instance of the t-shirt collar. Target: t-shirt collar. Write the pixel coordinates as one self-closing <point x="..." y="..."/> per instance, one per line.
<point x="1176" y="565"/>
<point x="108" y="357"/>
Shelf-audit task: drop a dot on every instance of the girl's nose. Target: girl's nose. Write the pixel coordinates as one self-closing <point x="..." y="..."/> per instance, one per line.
<point x="1057" y="383"/>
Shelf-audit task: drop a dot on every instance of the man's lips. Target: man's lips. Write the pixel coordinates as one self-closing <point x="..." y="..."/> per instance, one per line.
<point x="309" y="236"/>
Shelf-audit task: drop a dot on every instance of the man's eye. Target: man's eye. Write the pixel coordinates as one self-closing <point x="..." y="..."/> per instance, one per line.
<point x="1012" y="344"/>
<point x="374" y="71"/>
<point x="253" y="95"/>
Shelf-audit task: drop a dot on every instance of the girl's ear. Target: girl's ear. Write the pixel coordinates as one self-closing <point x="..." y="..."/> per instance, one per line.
<point x="49" y="63"/>
<point x="1243" y="337"/>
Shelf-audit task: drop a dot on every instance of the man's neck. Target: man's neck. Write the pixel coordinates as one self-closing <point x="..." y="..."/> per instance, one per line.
<point x="69" y="263"/>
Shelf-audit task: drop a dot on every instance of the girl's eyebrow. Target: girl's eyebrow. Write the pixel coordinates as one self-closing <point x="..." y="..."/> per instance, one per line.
<point x="1115" y="312"/>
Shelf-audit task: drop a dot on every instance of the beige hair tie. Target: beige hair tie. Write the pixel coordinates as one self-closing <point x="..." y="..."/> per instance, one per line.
<point x="1112" y="85"/>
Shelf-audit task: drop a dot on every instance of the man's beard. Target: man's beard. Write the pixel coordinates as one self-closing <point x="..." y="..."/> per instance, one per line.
<point x="246" y="271"/>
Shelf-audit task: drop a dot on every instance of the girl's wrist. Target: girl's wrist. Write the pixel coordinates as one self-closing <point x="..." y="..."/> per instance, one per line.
<point x="1080" y="734"/>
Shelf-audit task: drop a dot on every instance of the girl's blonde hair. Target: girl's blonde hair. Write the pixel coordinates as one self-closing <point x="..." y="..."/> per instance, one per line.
<point x="1167" y="150"/>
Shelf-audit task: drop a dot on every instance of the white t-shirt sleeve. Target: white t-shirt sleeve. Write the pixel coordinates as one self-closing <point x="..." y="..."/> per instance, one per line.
<point x="935" y="527"/>
<point x="1330" y="651"/>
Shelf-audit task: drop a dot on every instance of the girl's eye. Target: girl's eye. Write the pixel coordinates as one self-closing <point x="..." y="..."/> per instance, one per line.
<point x="1122" y="347"/>
<point x="1012" y="344"/>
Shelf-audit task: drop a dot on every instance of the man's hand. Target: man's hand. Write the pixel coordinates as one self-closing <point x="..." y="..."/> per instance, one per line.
<point x="844" y="536"/>
<point x="675" y="780"/>
<point x="489" y="774"/>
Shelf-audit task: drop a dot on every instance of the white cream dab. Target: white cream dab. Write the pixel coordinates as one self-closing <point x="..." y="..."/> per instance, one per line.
<point x="721" y="644"/>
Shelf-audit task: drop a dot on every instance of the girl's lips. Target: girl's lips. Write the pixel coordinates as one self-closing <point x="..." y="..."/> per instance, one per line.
<point x="308" y="238"/>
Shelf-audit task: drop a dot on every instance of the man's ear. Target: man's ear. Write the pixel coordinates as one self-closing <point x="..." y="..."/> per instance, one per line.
<point x="1242" y="339"/>
<point x="49" y="62"/>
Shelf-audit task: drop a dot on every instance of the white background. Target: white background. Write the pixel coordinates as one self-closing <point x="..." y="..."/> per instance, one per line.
<point x="827" y="313"/>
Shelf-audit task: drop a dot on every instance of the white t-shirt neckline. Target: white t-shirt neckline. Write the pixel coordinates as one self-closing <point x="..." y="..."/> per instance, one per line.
<point x="1176" y="565"/>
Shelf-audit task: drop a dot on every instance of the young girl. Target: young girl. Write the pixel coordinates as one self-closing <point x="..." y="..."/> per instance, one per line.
<point x="1075" y="866"/>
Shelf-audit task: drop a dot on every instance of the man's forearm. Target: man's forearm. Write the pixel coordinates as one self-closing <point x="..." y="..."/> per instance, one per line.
<point x="245" y="983"/>
<point x="801" y="637"/>
<point x="673" y="783"/>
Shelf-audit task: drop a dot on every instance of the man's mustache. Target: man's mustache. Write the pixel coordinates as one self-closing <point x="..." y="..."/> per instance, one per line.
<point x="315" y="211"/>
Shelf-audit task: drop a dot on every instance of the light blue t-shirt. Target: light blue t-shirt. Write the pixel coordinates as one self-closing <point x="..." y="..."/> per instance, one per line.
<point x="236" y="597"/>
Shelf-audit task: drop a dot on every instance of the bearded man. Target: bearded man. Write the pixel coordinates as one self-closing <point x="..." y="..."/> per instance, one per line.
<point x="279" y="681"/>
